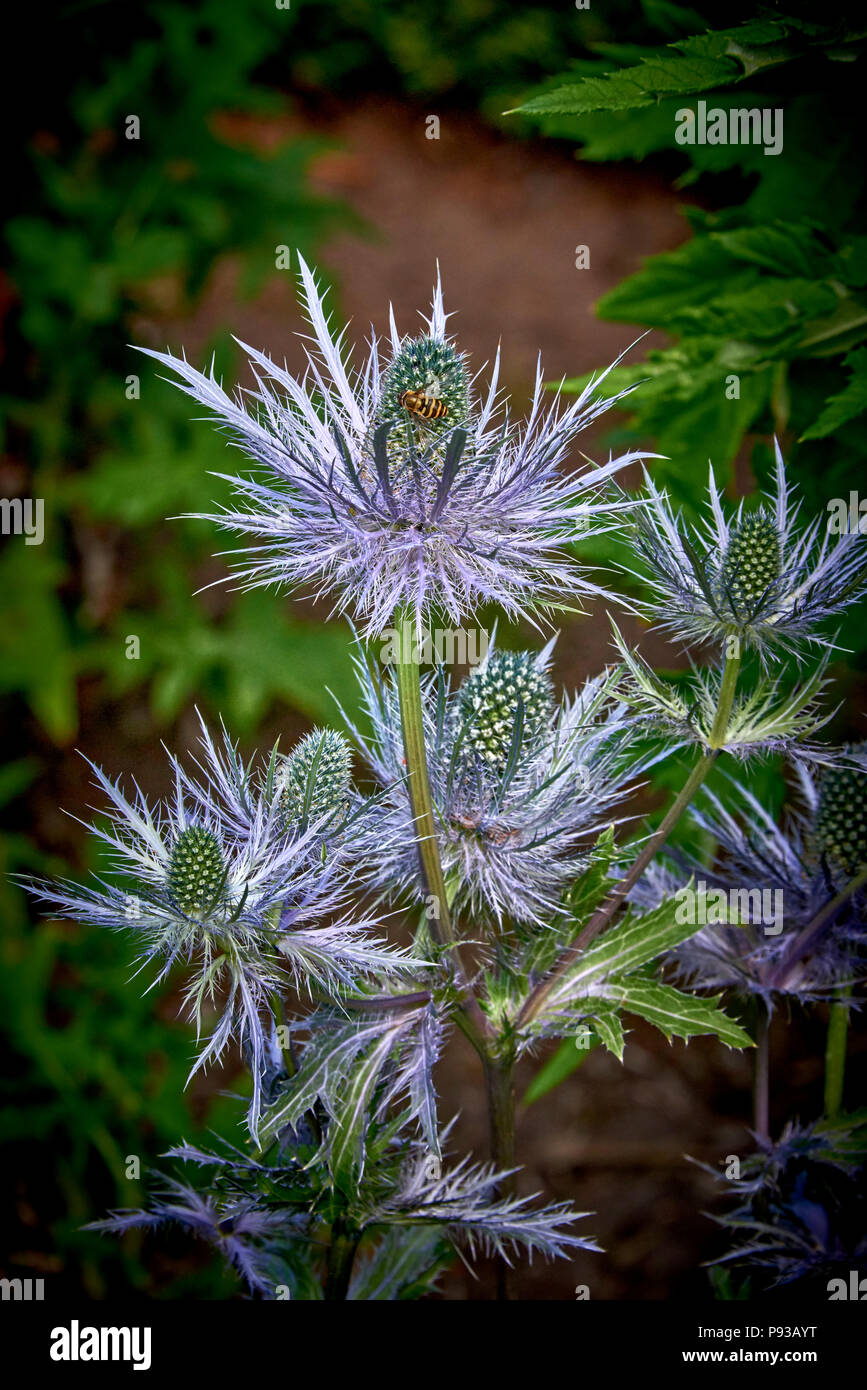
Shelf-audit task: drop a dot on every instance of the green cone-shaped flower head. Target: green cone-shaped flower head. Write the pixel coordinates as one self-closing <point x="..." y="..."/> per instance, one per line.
<point x="314" y="780"/>
<point x="489" y="700"/>
<point x="433" y="369"/>
<point x="197" y="870"/>
<point x="751" y="564"/>
<point x="841" y="819"/>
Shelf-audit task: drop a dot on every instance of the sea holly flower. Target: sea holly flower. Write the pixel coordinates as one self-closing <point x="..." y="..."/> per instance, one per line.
<point x="840" y="819"/>
<point x="521" y="785"/>
<point x="507" y="688"/>
<point x="212" y="879"/>
<point x="397" y="485"/>
<point x="308" y="788"/>
<point x="762" y="577"/>
<point x="769" y="893"/>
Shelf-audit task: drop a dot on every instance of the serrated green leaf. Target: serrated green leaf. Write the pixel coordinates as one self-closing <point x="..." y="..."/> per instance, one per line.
<point x="849" y="402"/>
<point x="677" y="1014"/>
<point x="609" y="1027"/>
<point x="635" y="941"/>
<point x="588" y="891"/>
<point x="351" y="1116"/>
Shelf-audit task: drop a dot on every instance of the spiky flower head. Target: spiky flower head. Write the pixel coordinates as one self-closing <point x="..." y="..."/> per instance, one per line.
<point x="197" y="871"/>
<point x="433" y="367"/>
<point x="210" y="878"/>
<point x="769" y="931"/>
<point x="313" y="782"/>
<point x="761" y="576"/>
<point x="516" y="818"/>
<point x="751" y="564"/>
<point x="841" y="817"/>
<point x="365" y="499"/>
<point x="504" y="705"/>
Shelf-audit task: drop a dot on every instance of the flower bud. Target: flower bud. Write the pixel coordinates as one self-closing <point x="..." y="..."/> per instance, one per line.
<point x="314" y="780"/>
<point x="841" y="820"/>
<point x="432" y="367"/>
<point x="488" y="703"/>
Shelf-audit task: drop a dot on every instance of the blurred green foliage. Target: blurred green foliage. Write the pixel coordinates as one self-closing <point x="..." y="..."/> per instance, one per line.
<point x="93" y="1072"/>
<point x="767" y="302"/>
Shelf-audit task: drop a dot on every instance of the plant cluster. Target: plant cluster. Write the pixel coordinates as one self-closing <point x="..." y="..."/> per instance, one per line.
<point x="493" y="811"/>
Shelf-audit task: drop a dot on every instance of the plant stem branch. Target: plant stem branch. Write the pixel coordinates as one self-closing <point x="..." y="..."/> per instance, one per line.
<point x="723" y="715"/>
<point x="601" y="918"/>
<point x="762" y="1078"/>
<point x="470" y="1017"/>
<point x="604" y="915"/>
<point x="339" y="1261"/>
<point x="835" y="1057"/>
<point x="500" y="1088"/>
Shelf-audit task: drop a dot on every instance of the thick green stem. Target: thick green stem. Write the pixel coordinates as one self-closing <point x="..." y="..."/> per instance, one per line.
<point x="723" y="714"/>
<point x="604" y="915"/>
<point x="762" y="1079"/>
<point x="470" y="1017"/>
<point x="340" y="1259"/>
<point x="835" y="1057"/>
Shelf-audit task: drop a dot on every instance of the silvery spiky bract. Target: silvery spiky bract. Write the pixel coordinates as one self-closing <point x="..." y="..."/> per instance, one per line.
<point x="251" y="1239"/>
<point x="519" y="790"/>
<point x="777" y="883"/>
<point x="798" y="1214"/>
<point x="464" y="1201"/>
<point x="212" y="879"/>
<point x="768" y="715"/>
<point x="762" y="576"/>
<point x="358" y="497"/>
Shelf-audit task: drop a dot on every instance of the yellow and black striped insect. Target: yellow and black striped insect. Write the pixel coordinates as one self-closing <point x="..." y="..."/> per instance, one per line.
<point x="426" y="407"/>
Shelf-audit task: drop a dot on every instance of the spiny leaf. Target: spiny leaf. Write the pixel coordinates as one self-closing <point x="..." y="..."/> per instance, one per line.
<point x="679" y="1015"/>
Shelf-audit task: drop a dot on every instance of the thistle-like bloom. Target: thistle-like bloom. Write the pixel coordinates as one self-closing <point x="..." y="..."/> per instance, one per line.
<point x="216" y="876"/>
<point x="315" y="781"/>
<point x="519" y="782"/>
<point x="777" y="883"/>
<point x="759" y="575"/>
<point x="396" y="486"/>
